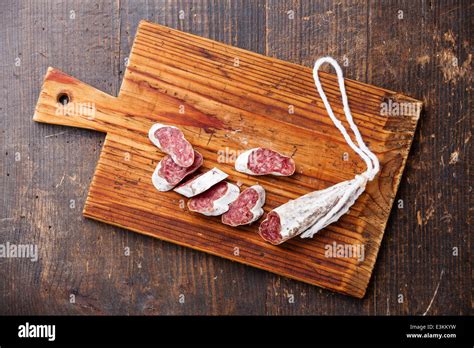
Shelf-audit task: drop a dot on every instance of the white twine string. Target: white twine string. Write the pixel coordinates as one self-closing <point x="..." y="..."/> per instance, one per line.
<point x="362" y="150"/>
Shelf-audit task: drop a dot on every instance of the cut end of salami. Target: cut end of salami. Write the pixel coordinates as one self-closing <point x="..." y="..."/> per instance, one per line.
<point x="201" y="183"/>
<point x="263" y="161"/>
<point x="215" y="201"/>
<point x="270" y="228"/>
<point x="171" y="141"/>
<point x="168" y="174"/>
<point x="247" y="208"/>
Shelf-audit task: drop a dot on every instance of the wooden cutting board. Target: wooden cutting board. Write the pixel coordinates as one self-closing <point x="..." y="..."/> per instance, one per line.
<point x="225" y="100"/>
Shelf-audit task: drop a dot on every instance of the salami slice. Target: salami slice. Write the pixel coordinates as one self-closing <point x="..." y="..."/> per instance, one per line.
<point x="201" y="183"/>
<point x="311" y="212"/>
<point x="216" y="200"/>
<point x="171" y="141"/>
<point x="168" y="174"/>
<point x="263" y="161"/>
<point x="247" y="208"/>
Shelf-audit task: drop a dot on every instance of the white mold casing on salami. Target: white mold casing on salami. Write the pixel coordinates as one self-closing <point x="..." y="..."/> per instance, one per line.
<point x="256" y="210"/>
<point x="160" y="183"/>
<point x="241" y="164"/>
<point x="156" y="141"/>
<point x="341" y="209"/>
<point x="201" y="183"/>
<point x="315" y="210"/>
<point x="220" y="205"/>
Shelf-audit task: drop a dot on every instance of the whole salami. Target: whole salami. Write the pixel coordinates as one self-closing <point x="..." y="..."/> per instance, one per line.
<point x="247" y="208"/>
<point x="201" y="183"/>
<point x="263" y="161"/>
<point x="168" y="174"/>
<point x="215" y="201"/>
<point x="171" y="141"/>
<point x="311" y="212"/>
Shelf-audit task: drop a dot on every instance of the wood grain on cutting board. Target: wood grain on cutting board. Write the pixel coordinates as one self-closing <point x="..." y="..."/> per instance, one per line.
<point x="227" y="99"/>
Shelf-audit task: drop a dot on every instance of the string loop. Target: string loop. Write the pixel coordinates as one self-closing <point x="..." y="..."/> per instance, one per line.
<point x="370" y="159"/>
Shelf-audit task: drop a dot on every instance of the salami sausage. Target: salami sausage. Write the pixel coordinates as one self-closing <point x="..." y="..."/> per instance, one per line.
<point x="168" y="174"/>
<point x="311" y="212"/>
<point x="247" y="208"/>
<point x="201" y="183"/>
<point x="171" y="141"/>
<point x="215" y="201"/>
<point x="262" y="161"/>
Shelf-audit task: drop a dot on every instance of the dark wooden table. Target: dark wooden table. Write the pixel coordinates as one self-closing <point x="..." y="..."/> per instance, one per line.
<point x="420" y="48"/>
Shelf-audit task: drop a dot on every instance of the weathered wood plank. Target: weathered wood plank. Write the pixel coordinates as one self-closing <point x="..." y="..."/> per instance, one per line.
<point x="423" y="49"/>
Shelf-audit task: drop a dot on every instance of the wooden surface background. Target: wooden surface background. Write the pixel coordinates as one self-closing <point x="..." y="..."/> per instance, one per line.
<point x="420" y="48"/>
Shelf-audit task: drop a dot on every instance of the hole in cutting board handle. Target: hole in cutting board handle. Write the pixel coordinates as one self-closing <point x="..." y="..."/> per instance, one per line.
<point x="63" y="98"/>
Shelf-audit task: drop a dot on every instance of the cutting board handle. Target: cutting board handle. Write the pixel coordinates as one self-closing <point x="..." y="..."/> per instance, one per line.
<point x="67" y="101"/>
